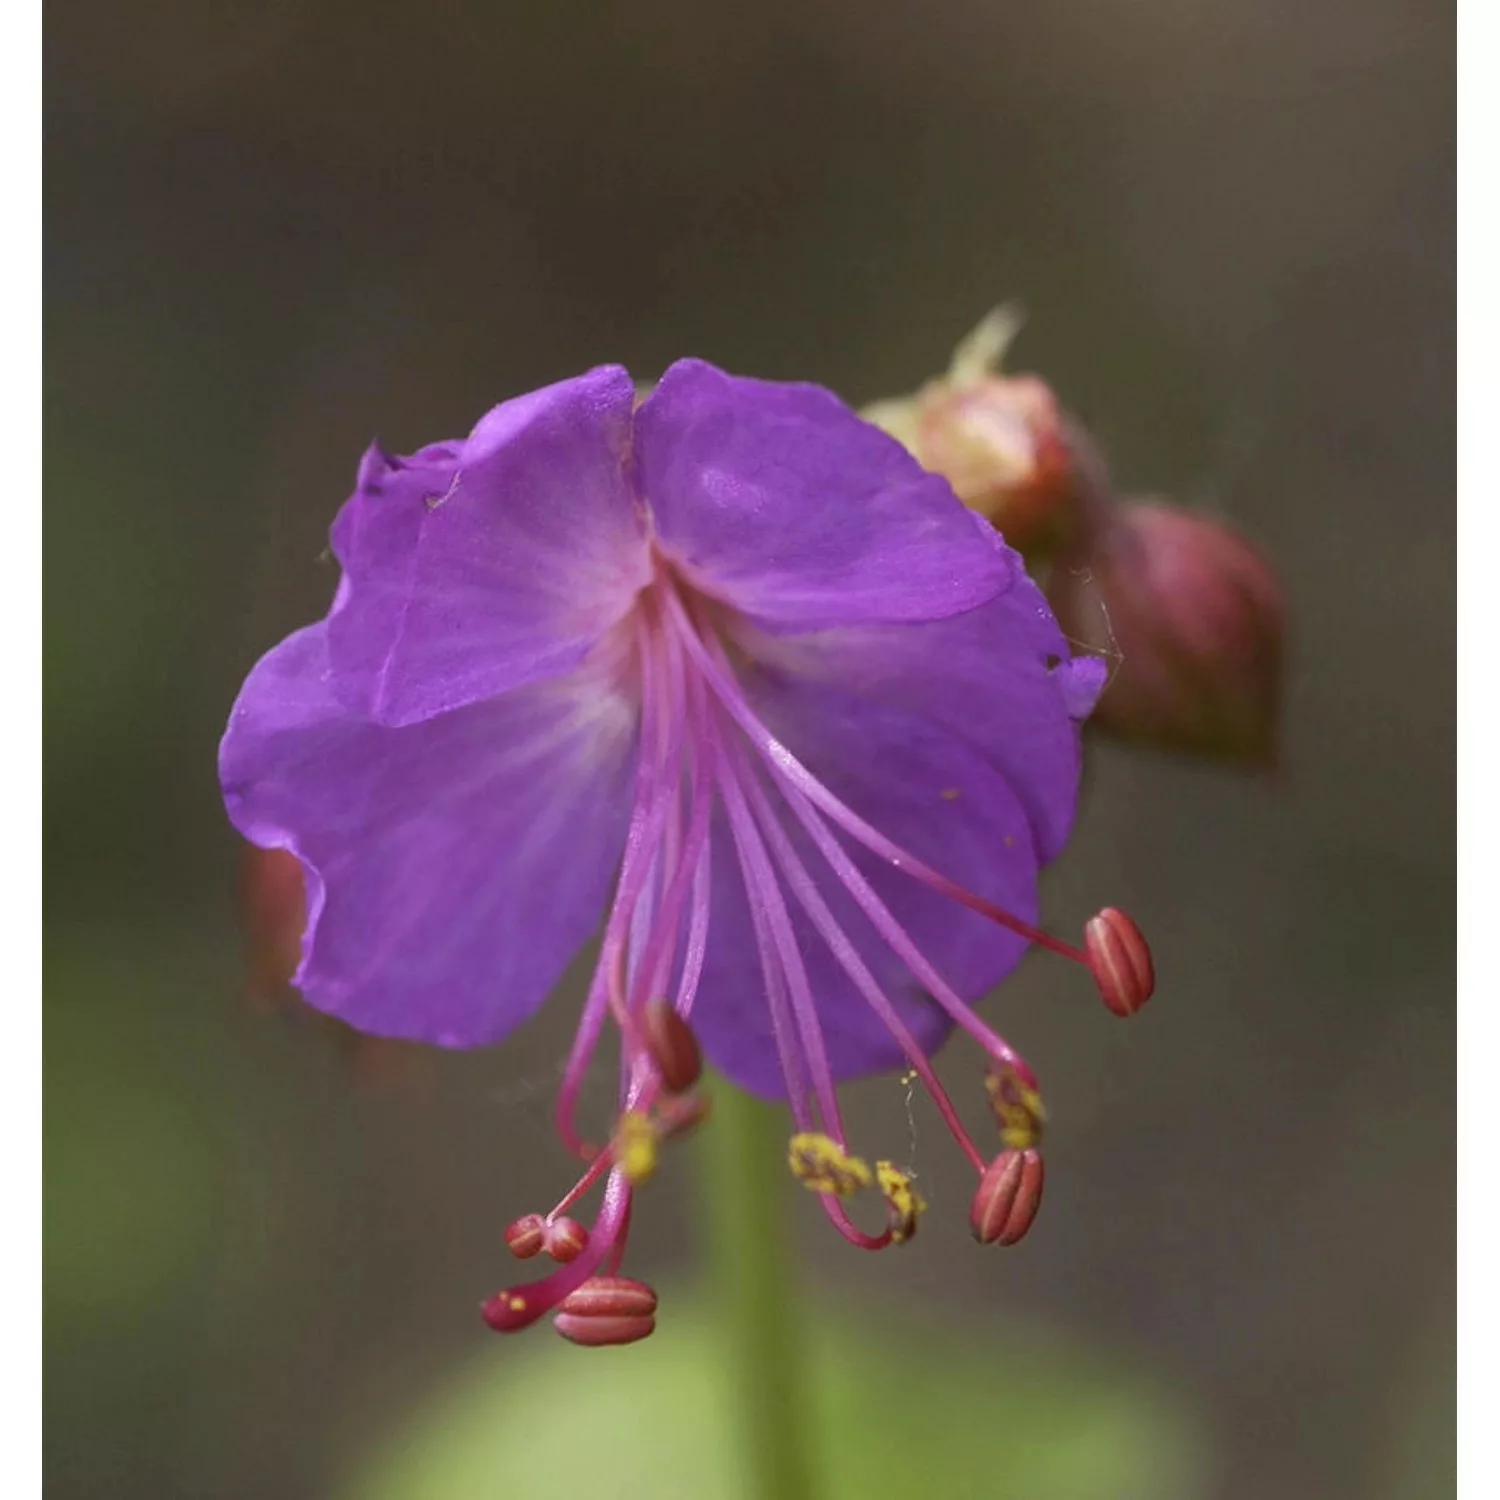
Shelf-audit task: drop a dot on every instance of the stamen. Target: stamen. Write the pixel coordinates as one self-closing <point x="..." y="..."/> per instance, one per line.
<point x="849" y="959"/>
<point x="903" y="1203"/>
<point x="1006" y="1201"/>
<point x="518" y="1307"/>
<point x="1121" y="961"/>
<point x="1017" y="1107"/>
<point x="607" y="1310"/>
<point x="635" y="1146"/>
<point x="671" y="1045"/>
<point x="822" y="1165"/>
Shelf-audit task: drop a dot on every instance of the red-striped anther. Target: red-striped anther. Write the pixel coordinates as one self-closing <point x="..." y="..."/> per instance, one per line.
<point x="1121" y="961"/>
<point x="564" y="1239"/>
<point x="607" y="1310"/>
<point x="527" y="1236"/>
<point x="1008" y="1196"/>
<point x="671" y="1045"/>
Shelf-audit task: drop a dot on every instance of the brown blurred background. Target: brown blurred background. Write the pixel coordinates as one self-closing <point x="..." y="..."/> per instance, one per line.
<point x="274" y="231"/>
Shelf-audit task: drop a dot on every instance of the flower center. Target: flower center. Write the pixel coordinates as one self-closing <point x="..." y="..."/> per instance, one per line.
<point x="703" y="750"/>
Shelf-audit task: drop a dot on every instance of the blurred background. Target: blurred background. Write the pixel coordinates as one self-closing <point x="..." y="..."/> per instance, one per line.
<point x="276" y="231"/>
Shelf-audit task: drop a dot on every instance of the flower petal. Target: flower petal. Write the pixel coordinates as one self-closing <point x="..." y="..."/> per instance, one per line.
<point x="1001" y="677"/>
<point x="929" y="791"/>
<point x="453" y="866"/>
<point x="780" y="500"/>
<point x="474" y="568"/>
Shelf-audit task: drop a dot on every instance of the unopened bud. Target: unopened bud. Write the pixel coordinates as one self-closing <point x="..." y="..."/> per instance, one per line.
<point x="564" y="1239"/>
<point x="1121" y="960"/>
<point x="607" y="1310"/>
<point x="672" y="1047"/>
<point x="999" y="440"/>
<point x="1008" y="1196"/>
<point x="1192" y="617"/>
<point x="527" y="1236"/>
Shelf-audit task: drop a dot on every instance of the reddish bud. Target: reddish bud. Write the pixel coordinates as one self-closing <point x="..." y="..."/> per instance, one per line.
<point x="671" y="1045"/>
<point x="1008" y="1196"/>
<point x="564" y="1239"/>
<point x="607" y="1310"/>
<point x="1121" y="961"/>
<point x="527" y="1236"/>
<point x="1192" y="616"/>
<point x="1000" y="440"/>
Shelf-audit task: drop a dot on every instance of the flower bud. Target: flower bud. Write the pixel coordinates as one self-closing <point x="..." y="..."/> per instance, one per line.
<point x="607" y="1310"/>
<point x="672" y="1047"/>
<point x="1008" y="1196"/>
<point x="999" y="440"/>
<point x="527" y="1236"/>
<point x="1121" y="961"/>
<point x="1193" y="616"/>
<point x="564" y="1239"/>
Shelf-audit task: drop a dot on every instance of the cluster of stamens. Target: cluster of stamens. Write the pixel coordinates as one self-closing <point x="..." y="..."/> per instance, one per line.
<point x="702" y="748"/>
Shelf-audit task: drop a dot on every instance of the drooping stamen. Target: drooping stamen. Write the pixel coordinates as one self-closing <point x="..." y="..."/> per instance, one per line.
<point x="658" y="789"/>
<point x="849" y="959"/>
<point x="904" y="1204"/>
<point x="518" y="1307"/>
<point x="671" y="1045"/>
<point x="1009" y="1194"/>
<point x="607" y="1310"/>
<point x="1121" y="961"/>
<point x="789" y="770"/>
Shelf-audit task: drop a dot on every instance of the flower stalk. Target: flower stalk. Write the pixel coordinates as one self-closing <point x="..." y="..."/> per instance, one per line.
<point x="746" y="1201"/>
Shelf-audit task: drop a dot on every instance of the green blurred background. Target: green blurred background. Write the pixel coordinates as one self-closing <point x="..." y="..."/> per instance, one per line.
<point x="275" y="231"/>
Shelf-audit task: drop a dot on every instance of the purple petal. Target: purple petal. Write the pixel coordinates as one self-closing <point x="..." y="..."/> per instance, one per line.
<point x="931" y="792"/>
<point x="455" y="865"/>
<point x="1000" y="676"/>
<point x="472" y="569"/>
<point x="783" y="502"/>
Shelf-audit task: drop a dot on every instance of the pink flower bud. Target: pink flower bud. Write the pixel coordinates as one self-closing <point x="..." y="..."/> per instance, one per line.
<point x="1000" y="440"/>
<point x="1194" y="620"/>
<point x="1009" y="1194"/>
<point x="1121" y="961"/>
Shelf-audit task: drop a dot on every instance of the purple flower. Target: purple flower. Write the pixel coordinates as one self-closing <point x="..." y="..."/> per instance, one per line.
<point x="729" y="672"/>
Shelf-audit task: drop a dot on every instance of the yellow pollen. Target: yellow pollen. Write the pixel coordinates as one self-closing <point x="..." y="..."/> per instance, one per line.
<point x="1018" y="1110"/>
<point x="517" y="1304"/>
<point x="821" y="1165"/>
<point x="635" y="1146"/>
<point x="904" y="1201"/>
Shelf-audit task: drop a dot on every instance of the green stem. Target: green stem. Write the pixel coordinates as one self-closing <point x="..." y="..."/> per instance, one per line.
<point x="746" y="1191"/>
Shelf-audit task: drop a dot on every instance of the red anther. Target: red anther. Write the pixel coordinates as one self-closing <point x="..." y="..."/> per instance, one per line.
<point x="610" y="1297"/>
<point x="607" y="1310"/>
<point x="671" y="1045"/>
<point x="1008" y="1196"/>
<point x="527" y="1236"/>
<point x="564" y="1239"/>
<point x="598" y="1333"/>
<point x="1121" y="961"/>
